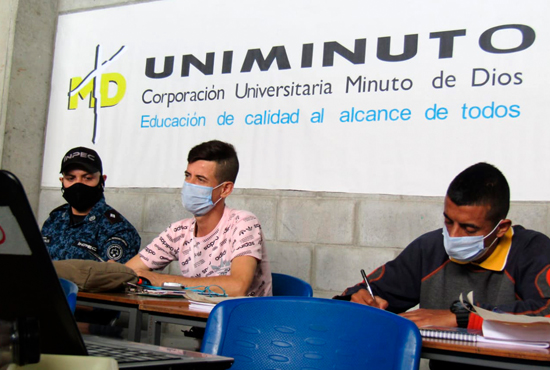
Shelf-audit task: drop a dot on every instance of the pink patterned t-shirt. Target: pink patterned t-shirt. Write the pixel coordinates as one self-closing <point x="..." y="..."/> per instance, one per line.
<point x="238" y="233"/>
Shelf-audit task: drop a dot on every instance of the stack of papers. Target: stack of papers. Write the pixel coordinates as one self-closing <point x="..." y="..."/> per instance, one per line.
<point x="497" y="328"/>
<point x="201" y="306"/>
<point x="163" y="293"/>
<point x="505" y="328"/>
<point x="205" y="303"/>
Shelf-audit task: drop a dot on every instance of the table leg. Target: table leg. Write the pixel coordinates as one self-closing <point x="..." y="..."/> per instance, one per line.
<point x="134" y="323"/>
<point x="154" y="329"/>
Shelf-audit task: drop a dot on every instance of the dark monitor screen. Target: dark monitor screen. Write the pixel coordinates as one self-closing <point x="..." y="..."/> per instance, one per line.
<point x="30" y="286"/>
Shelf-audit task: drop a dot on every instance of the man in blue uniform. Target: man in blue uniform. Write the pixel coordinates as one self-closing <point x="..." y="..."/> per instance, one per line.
<point x="86" y="227"/>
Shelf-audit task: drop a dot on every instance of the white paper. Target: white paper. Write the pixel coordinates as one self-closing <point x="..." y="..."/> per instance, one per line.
<point x="503" y="326"/>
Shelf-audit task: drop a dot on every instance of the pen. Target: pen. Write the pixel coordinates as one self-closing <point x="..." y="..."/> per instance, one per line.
<point x="367" y="283"/>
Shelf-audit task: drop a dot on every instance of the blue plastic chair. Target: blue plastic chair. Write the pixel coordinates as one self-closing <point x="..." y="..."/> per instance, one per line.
<point x="287" y="285"/>
<point x="70" y="289"/>
<point x="313" y="333"/>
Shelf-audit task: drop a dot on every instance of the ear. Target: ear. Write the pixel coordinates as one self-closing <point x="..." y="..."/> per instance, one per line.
<point x="104" y="179"/>
<point x="503" y="227"/>
<point x="227" y="188"/>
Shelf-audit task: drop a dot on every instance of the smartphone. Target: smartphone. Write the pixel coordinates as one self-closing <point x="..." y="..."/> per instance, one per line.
<point x="172" y="286"/>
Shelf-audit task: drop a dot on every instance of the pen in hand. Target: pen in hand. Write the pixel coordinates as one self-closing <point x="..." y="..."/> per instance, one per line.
<point x="368" y="285"/>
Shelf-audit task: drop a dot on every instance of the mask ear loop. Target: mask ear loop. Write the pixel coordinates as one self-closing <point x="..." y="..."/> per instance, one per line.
<point x="217" y="186"/>
<point x="492" y="231"/>
<point x="486" y="249"/>
<point x="214" y="188"/>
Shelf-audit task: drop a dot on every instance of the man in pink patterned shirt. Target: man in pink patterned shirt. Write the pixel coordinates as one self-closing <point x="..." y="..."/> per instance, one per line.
<point x="219" y="246"/>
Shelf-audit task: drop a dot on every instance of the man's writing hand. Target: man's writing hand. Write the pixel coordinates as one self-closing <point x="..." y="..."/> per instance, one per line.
<point x="425" y="317"/>
<point x="363" y="296"/>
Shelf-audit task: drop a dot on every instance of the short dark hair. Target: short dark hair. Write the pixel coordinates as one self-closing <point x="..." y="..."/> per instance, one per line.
<point x="480" y="185"/>
<point x="223" y="154"/>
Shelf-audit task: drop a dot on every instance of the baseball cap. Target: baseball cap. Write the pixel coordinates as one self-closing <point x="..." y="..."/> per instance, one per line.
<point x="82" y="157"/>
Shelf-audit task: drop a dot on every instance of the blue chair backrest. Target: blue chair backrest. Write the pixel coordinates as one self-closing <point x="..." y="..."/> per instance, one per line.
<point x="70" y="289"/>
<point x="299" y="332"/>
<point x="286" y="285"/>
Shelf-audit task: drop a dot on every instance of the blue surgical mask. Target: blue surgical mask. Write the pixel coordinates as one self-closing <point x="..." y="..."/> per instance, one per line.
<point x="466" y="248"/>
<point x="197" y="199"/>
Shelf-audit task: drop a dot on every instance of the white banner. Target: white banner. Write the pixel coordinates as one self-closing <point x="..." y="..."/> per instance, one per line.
<point x="347" y="96"/>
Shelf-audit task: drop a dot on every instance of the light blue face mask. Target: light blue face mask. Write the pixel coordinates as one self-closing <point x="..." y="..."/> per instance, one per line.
<point x="466" y="248"/>
<point x="197" y="199"/>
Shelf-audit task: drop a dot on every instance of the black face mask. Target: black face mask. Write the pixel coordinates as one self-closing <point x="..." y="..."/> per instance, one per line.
<point x="82" y="197"/>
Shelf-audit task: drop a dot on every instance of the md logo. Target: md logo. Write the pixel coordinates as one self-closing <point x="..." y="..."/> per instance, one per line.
<point x="103" y="89"/>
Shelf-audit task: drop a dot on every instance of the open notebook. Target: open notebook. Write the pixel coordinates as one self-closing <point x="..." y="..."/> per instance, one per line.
<point x="31" y="288"/>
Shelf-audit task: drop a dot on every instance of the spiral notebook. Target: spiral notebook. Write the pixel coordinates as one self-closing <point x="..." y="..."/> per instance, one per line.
<point x="444" y="332"/>
<point x="473" y="335"/>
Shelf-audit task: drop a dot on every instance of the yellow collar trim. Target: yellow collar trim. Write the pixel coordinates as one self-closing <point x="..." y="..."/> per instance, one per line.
<point x="497" y="260"/>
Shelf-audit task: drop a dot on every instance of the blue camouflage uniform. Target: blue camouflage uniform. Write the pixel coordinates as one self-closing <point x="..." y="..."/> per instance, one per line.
<point x="103" y="233"/>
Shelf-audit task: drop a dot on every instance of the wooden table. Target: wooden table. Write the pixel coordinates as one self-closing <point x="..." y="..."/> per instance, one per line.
<point x="124" y="302"/>
<point x="485" y="354"/>
<point x="174" y="312"/>
<point x="169" y="310"/>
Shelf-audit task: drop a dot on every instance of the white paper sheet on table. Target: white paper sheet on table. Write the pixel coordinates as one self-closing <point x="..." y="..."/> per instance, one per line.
<point x="518" y="328"/>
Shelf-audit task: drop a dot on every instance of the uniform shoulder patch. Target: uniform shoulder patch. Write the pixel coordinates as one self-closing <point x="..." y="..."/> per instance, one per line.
<point x="113" y="216"/>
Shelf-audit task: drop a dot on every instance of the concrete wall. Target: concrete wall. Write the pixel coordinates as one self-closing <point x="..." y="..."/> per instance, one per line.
<point x="8" y="11"/>
<point x="29" y="33"/>
<point x="323" y="238"/>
